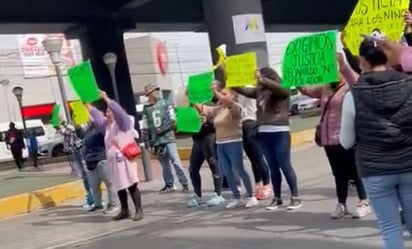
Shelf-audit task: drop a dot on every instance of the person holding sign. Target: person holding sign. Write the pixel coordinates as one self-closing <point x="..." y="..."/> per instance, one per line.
<point x="158" y="123"/>
<point x="227" y="119"/>
<point x="119" y="139"/>
<point x="377" y="118"/>
<point x="274" y="133"/>
<point x="342" y="162"/>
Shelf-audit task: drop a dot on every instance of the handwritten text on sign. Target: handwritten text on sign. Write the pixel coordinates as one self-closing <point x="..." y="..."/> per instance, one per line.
<point x="240" y="70"/>
<point x="386" y="15"/>
<point x="310" y="60"/>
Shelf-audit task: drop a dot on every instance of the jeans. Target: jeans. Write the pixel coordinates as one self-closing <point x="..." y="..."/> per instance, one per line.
<point x="231" y="160"/>
<point x="77" y="159"/>
<point x="96" y="177"/>
<point x="204" y="149"/>
<point x="386" y="193"/>
<point x="276" y="149"/>
<point x="344" y="169"/>
<point x="254" y="153"/>
<point x="169" y="154"/>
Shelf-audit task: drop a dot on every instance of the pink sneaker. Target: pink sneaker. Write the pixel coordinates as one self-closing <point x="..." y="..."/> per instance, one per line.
<point x="264" y="193"/>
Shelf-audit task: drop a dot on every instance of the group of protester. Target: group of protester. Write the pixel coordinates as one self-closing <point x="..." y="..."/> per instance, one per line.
<point x="365" y="130"/>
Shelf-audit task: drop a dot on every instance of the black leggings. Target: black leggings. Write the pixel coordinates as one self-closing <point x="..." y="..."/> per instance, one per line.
<point x="254" y="153"/>
<point x="204" y="149"/>
<point x="344" y="169"/>
<point x="134" y="193"/>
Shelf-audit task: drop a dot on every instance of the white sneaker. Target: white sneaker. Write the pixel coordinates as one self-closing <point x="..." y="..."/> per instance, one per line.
<point x="236" y="204"/>
<point x="251" y="202"/>
<point x="216" y="200"/>
<point x="339" y="212"/>
<point x="362" y="210"/>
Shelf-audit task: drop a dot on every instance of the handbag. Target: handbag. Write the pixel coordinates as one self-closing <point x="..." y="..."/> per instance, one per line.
<point x="131" y="150"/>
<point x="318" y="129"/>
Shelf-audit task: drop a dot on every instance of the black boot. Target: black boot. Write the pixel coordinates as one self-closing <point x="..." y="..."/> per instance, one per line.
<point x="123" y="214"/>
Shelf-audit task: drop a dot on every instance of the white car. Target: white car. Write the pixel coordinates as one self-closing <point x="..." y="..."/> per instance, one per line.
<point x="49" y="143"/>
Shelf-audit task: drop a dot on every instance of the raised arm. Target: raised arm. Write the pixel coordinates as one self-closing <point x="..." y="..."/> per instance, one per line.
<point x="249" y="92"/>
<point x="99" y="120"/>
<point x="312" y="91"/>
<point x="119" y="115"/>
<point x="352" y="60"/>
<point x="350" y="76"/>
<point x="274" y="87"/>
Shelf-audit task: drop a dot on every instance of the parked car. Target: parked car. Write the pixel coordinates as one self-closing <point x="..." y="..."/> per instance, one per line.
<point x="301" y="103"/>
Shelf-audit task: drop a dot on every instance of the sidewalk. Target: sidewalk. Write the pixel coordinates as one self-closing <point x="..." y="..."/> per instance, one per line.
<point x="170" y="225"/>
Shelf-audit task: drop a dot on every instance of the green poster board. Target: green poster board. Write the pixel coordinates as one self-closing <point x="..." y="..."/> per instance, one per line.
<point x="188" y="120"/>
<point x="199" y="88"/>
<point x="83" y="82"/>
<point x="310" y="60"/>
<point x="55" y="119"/>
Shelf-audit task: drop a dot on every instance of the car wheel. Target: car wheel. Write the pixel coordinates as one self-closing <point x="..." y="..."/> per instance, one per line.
<point x="58" y="151"/>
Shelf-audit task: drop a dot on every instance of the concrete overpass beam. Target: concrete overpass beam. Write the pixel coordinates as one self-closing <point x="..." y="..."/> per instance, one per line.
<point x="98" y="39"/>
<point x="239" y="25"/>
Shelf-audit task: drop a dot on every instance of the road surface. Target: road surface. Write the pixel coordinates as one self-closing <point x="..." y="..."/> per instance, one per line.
<point x="170" y="225"/>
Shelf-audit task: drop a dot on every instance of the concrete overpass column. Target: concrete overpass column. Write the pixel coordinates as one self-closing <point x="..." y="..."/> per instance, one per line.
<point x="238" y="24"/>
<point x="96" y="41"/>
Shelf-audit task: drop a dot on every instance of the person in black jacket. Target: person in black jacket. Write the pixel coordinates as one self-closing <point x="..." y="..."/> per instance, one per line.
<point x="95" y="157"/>
<point x="15" y="143"/>
<point x="204" y="148"/>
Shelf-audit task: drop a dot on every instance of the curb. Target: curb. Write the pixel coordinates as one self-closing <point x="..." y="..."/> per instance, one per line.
<point x="56" y="195"/>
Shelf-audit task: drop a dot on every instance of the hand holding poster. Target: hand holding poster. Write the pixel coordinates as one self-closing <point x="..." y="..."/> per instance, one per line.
<point x="199" y="88"/>
<point x="188" y="120"/>
<point x="83" y="82"/>
<point x="310" y="60"/>
<point x="240" y="70"/>
<point x="375" y="14"/>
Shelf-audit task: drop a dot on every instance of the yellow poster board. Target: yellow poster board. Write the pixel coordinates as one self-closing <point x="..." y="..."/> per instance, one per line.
<point x="80" y="113"/>
<point x="375" y="14"/>
<point x="240" y="70"/>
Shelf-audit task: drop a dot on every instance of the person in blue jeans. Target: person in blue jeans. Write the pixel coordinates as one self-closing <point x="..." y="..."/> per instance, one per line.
<point x="227" y="119"/>
<point x="272" y="114"/>
<point x="158" y="133"/>
<point x="73" y="147"/>
<point x="376" y="119"/>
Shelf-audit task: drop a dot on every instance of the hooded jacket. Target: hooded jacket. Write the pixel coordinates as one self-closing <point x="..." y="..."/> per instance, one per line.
<point x="383" y="123"/>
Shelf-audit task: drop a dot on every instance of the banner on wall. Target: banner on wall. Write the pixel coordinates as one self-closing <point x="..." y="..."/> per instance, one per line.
<point x="249" y="28"/>
<point x="36" y="61"/>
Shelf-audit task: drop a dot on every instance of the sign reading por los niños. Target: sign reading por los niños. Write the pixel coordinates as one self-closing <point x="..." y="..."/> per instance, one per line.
<point x="368" y="15"/>
<point x="310" y="60"/>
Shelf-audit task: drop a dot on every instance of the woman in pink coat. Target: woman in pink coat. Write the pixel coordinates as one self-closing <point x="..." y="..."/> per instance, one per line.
<point x="119" y="132"/>
<point x="342" y="161"/>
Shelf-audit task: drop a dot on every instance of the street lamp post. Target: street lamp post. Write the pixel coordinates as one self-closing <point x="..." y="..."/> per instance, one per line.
<point x="18" y="92"/>
<point x="53" y="46"/>
<point x="110" y="59"/>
